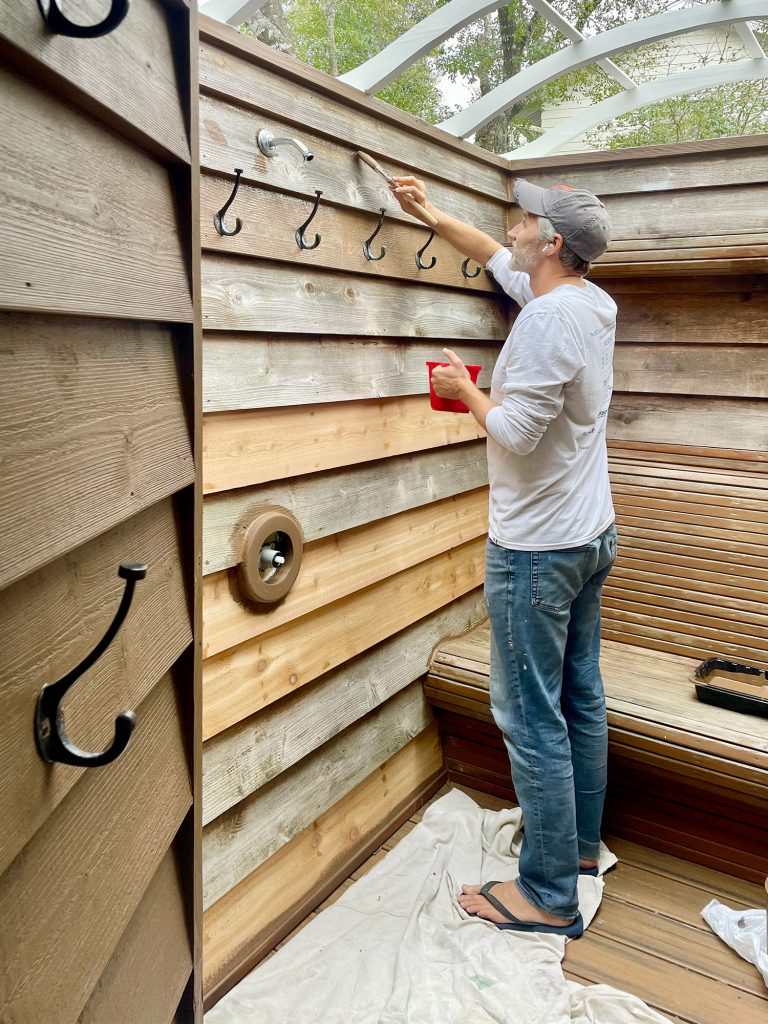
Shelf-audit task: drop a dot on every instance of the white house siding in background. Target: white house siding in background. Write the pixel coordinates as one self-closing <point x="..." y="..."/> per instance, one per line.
<point x="680" y="54"/>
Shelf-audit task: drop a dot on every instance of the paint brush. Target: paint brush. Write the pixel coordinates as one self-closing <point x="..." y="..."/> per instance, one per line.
<point x="430" y="218"/>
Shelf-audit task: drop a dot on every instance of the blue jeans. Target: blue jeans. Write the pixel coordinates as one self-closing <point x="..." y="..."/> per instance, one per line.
<point x="548" y="700"/>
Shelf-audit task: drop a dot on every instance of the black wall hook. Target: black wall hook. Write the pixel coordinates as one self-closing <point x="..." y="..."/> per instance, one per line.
<point x="367" y="243"/>
<point x="465" y="269"/>
<point x="301" y="240"/>
<point x="61" y="25"/>
<point x="419" y="255"/>
<point x="50" y="732"/>
<point x="218" y="218"/>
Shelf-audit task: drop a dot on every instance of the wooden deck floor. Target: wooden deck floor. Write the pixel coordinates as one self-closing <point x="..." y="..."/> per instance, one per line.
<point x="648" y="937"/>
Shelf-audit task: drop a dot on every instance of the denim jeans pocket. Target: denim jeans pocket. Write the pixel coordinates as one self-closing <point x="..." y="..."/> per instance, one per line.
<point x="599" y="578"/>
<point x="557" y="577"/>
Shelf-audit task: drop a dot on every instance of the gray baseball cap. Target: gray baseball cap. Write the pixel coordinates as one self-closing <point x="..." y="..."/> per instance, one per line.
<point x="576" y="214"/>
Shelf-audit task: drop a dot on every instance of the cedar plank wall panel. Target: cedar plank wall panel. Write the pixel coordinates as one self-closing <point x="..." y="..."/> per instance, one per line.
<point x="316" y="400"/>
<point x="688" y="439"/>
<point x="99" y="316"/>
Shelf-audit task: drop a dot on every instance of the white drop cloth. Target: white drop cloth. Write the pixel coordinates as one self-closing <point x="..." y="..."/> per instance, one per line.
<point x="397" y="949"/>
<point x="746" y="931"/>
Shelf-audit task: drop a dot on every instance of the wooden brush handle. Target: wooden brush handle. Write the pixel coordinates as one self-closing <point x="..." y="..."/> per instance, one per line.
<point x="429" y="217"/>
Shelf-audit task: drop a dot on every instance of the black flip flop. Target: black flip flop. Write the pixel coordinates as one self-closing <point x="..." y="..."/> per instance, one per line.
<point x="571" y="931"/>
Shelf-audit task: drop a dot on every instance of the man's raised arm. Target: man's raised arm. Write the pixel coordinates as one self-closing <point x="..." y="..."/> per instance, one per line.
<point x="467" y="239"/>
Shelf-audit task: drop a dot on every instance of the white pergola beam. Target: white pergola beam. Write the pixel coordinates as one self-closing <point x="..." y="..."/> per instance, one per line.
<point x="571" y="32"/>
<point x="641" y="96"/>
<point x="750" y="40"/>
<point x="616" y="40"/>
<point x="380" y="70"/>
<point x="231" y="12"/>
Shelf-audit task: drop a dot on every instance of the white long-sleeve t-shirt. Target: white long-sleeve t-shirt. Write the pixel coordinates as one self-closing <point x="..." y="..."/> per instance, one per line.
<point x="547" y="455"/>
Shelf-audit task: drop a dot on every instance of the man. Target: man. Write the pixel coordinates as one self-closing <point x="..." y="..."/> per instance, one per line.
<point x="552" y="538"/>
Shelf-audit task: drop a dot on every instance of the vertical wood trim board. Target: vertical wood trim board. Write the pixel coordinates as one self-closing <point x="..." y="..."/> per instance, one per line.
<point x="100" y="315"/>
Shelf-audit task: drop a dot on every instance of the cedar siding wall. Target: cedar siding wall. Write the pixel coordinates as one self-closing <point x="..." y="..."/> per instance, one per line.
<point x="317" y="736"/>
<point x="97" y="310"/>
<point x="688" y="430"/>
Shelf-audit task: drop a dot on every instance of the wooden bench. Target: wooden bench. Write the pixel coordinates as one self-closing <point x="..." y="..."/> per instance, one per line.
<point x="689" y="583"/>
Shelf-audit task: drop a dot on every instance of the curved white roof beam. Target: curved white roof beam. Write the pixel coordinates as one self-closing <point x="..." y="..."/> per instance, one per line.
<point x="571" y="32"/>
<point x="616" y="40"/>
<point x="380" y="70"/>
<point x="641" y="96"/>
<point x="446" y="21"/>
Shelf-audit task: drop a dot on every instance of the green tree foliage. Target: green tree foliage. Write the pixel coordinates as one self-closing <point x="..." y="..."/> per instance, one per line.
<point x="338" y="35"/>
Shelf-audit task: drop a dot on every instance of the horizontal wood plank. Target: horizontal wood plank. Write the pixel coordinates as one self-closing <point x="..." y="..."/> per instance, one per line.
<point x="730" y="211"/>
<point x="241" y="839"/>
<point x="250" y="83"/>
<point x="241" y="759"/>
<point x="83" y="242"/>
<point x="725" y="887"/>
<point x="694" y="316"/>
<point x="691" y="996"/>
<point x="744" y="619"/>
<point x="243" y="920"/>
<point x="652" y="169"/>
<point x="725" y="422"/>
<point x="241" y="372"/>
<point x="342" y="232"/>
<point x="681" y="285"/>
<point x="127" y="76"/>
<point x="94" y="431"/>
<point x="694" y="245"/>
<point x="241" y="448"/>
<point x="153" y="948"/>
<point x="49" y="622"/>
<point x="369" y="554"/>
<point x="337" y="500"/>
<point x="100" y="850"/>
<point x="733" y="371"/>
<point x="239" y="295"/>
<point x="238" y="683"/>
<point x="742" y="262"/>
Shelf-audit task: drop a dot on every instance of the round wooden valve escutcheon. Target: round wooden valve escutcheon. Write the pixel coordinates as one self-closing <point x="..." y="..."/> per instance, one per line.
<point x="271" y="557"/>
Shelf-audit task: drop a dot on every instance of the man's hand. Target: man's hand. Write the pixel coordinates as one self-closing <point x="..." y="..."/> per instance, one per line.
<point x="454" y="381"/>
<point x="451" y="381"/>
<point x="467" y="239"/>
<point x="409" y="186"/>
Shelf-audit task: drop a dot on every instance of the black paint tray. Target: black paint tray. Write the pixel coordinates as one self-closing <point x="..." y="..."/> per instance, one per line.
<point x="731" y="685"/>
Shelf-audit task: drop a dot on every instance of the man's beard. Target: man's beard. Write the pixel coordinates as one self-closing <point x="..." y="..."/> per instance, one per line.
<point x="525" y="258"/>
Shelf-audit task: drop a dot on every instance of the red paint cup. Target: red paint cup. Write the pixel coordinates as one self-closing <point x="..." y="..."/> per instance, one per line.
<point x="449" y="404"/>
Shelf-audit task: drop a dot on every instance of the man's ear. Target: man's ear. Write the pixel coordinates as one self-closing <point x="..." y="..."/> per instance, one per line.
<point x="554" y="246"/>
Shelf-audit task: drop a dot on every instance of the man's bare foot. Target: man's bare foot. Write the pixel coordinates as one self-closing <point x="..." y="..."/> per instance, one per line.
<point x="511" y="897"/>
<point x="587" y="863"/>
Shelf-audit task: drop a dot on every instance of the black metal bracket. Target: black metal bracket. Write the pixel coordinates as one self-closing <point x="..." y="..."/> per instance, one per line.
<point x="300" y="239"/>
<point x="420" y="254"/>
<point x="465" y="269"/>
<point x="218" y="218"/>
<point x="53" y="743"/>
<point x="59" y="24"/>
<point x="367" y="243"/>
